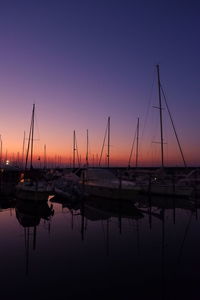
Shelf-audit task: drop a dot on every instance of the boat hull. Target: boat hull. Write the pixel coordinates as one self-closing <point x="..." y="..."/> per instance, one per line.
<point x="109" y="192"/>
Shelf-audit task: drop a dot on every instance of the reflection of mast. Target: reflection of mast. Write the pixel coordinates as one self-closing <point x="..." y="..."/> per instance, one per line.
<point x="72" y="219"/>
<point x="27" y="244"/>
<point x="163" y="254"/>
<point x="174" y="211"/>
<point x="107" y="237"/>
<point x="34" y="237"/>
<point x="26" y="233"/>
<point x="29" y="215"/>
<point x="150" y="212"/>
<point x="138" y="237"/>
<point x="184" y="238"/>
<point x="82" y="219"/>
<point x="120" y="215"/>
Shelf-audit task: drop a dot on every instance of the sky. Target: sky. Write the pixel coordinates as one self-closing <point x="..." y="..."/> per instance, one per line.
<point x="83" y="61"/>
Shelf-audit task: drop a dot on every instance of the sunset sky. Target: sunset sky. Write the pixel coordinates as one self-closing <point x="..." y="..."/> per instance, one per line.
<point x="82" y="61"/>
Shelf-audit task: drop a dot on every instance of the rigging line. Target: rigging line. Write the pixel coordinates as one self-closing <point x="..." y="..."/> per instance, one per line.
<point x="103" y="144"/>
<point x="175" y="132"/>
<point x="29" y="138"/>
<point x="149" y="105"/>
<point x="37" y="133"/>
<point x="104" y="235"/>
<point x="133" y="143"/>
<point x="37" y="127"/>
<point x="32" y="135"/>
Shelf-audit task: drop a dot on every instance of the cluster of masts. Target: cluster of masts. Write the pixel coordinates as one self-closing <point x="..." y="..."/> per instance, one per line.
<point x="76" y="158"/>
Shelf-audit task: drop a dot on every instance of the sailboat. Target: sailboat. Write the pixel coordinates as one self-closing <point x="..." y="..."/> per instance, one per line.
<point x="31" y="186"/>
<point x="160" y="182"/>
<point x="103" y="182"/>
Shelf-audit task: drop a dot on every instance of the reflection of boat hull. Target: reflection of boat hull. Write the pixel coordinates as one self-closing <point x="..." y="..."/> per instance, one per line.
<point x="165" y="202"/>
<point x="69" y="203"/>
<point x="103" y="208"/>
<point x="62" y="193"/>
<point x="30" y="213"/>
<point x="168" y="190"/>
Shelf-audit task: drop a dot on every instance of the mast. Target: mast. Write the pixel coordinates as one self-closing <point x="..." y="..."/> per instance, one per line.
<point x="23" y="146"/>
<point x="30" y="140"/>
<point x="45" y="157"/>
<point x="87" y="163"/>
<point x="137" y="144"/>
<point x="108" y="154"/>
<point x="0" y="151"/>
<point x="161" y="122"/>
<point x="107" y="134"/>
<point x="136" y="137"/>
<point x="78" y="156"/>
<point x="74" y="148"/>
<point x="32" y="134"/>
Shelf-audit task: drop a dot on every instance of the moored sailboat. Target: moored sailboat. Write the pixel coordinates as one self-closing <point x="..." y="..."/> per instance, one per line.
<point x="31" y="186"/>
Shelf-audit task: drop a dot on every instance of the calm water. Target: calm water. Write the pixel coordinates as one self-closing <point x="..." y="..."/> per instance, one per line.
<point x="93" y="253"/>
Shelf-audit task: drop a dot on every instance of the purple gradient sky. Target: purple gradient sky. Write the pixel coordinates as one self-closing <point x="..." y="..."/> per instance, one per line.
<point x="82" y="61"/>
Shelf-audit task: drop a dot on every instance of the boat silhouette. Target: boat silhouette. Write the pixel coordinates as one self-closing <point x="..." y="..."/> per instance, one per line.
<point x="31" y="187"/>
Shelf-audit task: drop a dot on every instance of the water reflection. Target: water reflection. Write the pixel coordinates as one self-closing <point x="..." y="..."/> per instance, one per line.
<point x="29" y="214"/>
<point x="96" y="248"/>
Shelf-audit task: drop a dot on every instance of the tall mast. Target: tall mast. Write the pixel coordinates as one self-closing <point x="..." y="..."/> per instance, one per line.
<point x="45" y="157"/>
<point x="108" y="154"/>
<point x="30" y="140"/>
<point x="23" y="146"/>
<point x="137" y="144"/>
<point x="107" y="134"/>
<point x="74" y="148"/>
<point x="32" y="134"/>
<point x="161" y="123"/>
<point x="87" y="163"/>
<point x="0" y="151"/>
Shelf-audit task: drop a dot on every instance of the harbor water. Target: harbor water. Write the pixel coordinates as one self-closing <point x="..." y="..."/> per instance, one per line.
<point x="63" y="250"/>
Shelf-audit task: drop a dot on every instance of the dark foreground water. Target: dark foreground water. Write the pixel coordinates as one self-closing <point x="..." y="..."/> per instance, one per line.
<point x="92" y="251"/>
